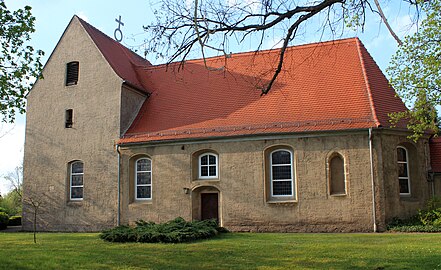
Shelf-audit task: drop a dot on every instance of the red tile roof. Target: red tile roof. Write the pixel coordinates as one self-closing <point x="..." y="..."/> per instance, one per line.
<point x="435" y="154"/>
<point x="327" y="86"/>
<point x="123" y="61"/>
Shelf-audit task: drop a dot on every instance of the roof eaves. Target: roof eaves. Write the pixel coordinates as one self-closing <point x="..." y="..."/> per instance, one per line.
<point x="368" y="86"/>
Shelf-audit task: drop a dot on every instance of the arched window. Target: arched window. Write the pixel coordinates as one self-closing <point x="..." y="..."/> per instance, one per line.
<point x="282" y="181"/>
<point x="143" y="179"/>
<point x="403" y="170"/>
<point x="208" y="166"/>
<point x="76" y="181"/>
<point x="337" y="184"/>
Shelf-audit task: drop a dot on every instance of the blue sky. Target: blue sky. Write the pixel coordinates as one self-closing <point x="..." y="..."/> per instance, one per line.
<point x="54" y="15"/>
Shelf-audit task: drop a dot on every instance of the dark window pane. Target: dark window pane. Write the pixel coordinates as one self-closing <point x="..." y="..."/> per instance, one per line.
<point x="76" y="193"/>
<point x="143" y="192"/>
<point x="337" y="175"/>
<point x="69" y="118"/>
<point x="401" y="154"/>
<point x="77" y="167"/>
<point x="204" y="160"/>
<point x="402" y="170"/>
<point x="143" y="178"/>
<point x="282" y="188"/>
<point x="144" y="165"/>
<point x="404" y="186"/>
<point x="212" y="159"/>
<point x="212" y="170"/>
<point x="281" y="157"/>
<point x="77" y="180"/>
<point x="281" y="172"/>
<point x="204" y="170"/>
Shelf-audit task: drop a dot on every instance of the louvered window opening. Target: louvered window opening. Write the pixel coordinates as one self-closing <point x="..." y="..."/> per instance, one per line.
<point x="72" y="73"/>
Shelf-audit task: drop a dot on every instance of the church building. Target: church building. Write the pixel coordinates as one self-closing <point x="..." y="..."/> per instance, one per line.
<point x="112" y="139"/>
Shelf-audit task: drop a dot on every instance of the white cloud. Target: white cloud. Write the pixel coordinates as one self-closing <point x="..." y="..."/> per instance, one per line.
<point x="83" y="16"/>
<point x="403" y="25"/>
<point x="252" y="5"/>
<point x="273" y="43"/>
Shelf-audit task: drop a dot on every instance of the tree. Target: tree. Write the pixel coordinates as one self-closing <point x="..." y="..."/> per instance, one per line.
<point x="12" y="201"/>
<point x="182" y="27"/>
<point x="19" y="62"/>
<point x="415" y="73"/>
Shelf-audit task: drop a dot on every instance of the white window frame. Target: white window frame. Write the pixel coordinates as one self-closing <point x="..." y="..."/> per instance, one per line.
<point x="143" y="185"/>
<point x="408" y="171"/>
<point x="71" y="174"/>
<point x="281" y="180"/>
<point x="208" y="165"/>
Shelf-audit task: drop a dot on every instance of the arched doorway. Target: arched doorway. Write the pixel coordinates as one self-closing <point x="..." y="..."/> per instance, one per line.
<point x="206" y="203"/>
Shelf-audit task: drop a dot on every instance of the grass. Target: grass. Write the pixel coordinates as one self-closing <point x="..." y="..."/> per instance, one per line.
<point x="228" y="251"/>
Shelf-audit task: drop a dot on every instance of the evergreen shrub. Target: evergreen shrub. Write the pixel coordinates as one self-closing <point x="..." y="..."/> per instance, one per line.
<point x="174" y="231"/>
<point x="15" y="221"/>
<point x="4" y="218"/>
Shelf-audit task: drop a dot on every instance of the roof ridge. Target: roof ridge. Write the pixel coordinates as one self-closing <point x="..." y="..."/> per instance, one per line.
<point x="360" y="47"/>
<point x="121" y="59"/>
<point x="111" y="40"/>
<point x="260" y="52"/>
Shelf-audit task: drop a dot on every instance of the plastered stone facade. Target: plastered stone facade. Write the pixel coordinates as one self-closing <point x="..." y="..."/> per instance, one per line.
<point x="103" y="110"/>
<point x="99" y="116"/>
<point x="243" y="200"/>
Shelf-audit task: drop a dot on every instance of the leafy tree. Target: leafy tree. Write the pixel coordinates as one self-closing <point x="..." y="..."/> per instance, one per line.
<point x="415" y="73"/>
<point x="12" y="201"/>
<point x="212" y="26"/>
<point x="19" y="62"/>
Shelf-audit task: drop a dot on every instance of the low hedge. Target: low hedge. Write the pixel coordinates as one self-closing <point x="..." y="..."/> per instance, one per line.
<point x="14" y="221"/>
<point x="174" y="231"/>
<point x="4" y="219"/>
<point x="416" y="228"/>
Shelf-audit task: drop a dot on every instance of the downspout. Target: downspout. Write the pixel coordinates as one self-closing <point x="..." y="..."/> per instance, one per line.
<point x="374" y="218"/>
<point x="118" y="215"/>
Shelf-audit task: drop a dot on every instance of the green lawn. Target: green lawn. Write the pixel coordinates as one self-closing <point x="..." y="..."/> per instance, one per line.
<point x="229" y="251"/>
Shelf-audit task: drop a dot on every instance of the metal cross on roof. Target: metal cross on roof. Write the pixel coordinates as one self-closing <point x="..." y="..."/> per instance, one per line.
<point x="118" y="30"/>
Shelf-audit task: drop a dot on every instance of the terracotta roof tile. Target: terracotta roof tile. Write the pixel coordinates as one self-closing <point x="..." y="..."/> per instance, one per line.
<point x="123" y="61"/>
<point x="332" y="85"/>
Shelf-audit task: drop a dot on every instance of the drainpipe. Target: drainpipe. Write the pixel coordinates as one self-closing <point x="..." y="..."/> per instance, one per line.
<point x="374" y="218"/>
<point x="118" y="215"/>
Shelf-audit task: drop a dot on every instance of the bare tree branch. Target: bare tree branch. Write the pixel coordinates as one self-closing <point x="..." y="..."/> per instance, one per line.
<point x="384" y="18"/>
<point x="208" y="26"/>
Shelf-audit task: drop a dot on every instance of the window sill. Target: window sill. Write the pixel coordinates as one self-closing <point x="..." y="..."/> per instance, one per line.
<point x="338" y="195"/>
<point x="408" y="198"/>
<point x="206" y="179"/>
<point x="75" y="203"/>
<point x="282" y="202"/>
<point x="141" y="202"/>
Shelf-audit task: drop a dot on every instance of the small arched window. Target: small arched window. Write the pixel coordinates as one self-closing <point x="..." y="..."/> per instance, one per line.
<point x="337" y="181"/>
<point x="76" y="180"/>
<point x="208" y="166"/>
<point x="282" y="180"/>
<point x="403" y="170"/>
<point x="143" y="179"/>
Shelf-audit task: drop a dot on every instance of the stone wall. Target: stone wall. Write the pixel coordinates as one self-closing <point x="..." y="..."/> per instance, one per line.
<point x="50" y="147"/>
<point x="241" y="184"/>
<point x="420" y="188"/>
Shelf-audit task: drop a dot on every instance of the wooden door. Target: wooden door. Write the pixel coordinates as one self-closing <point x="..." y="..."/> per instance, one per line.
<point x="210" y="206"/>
